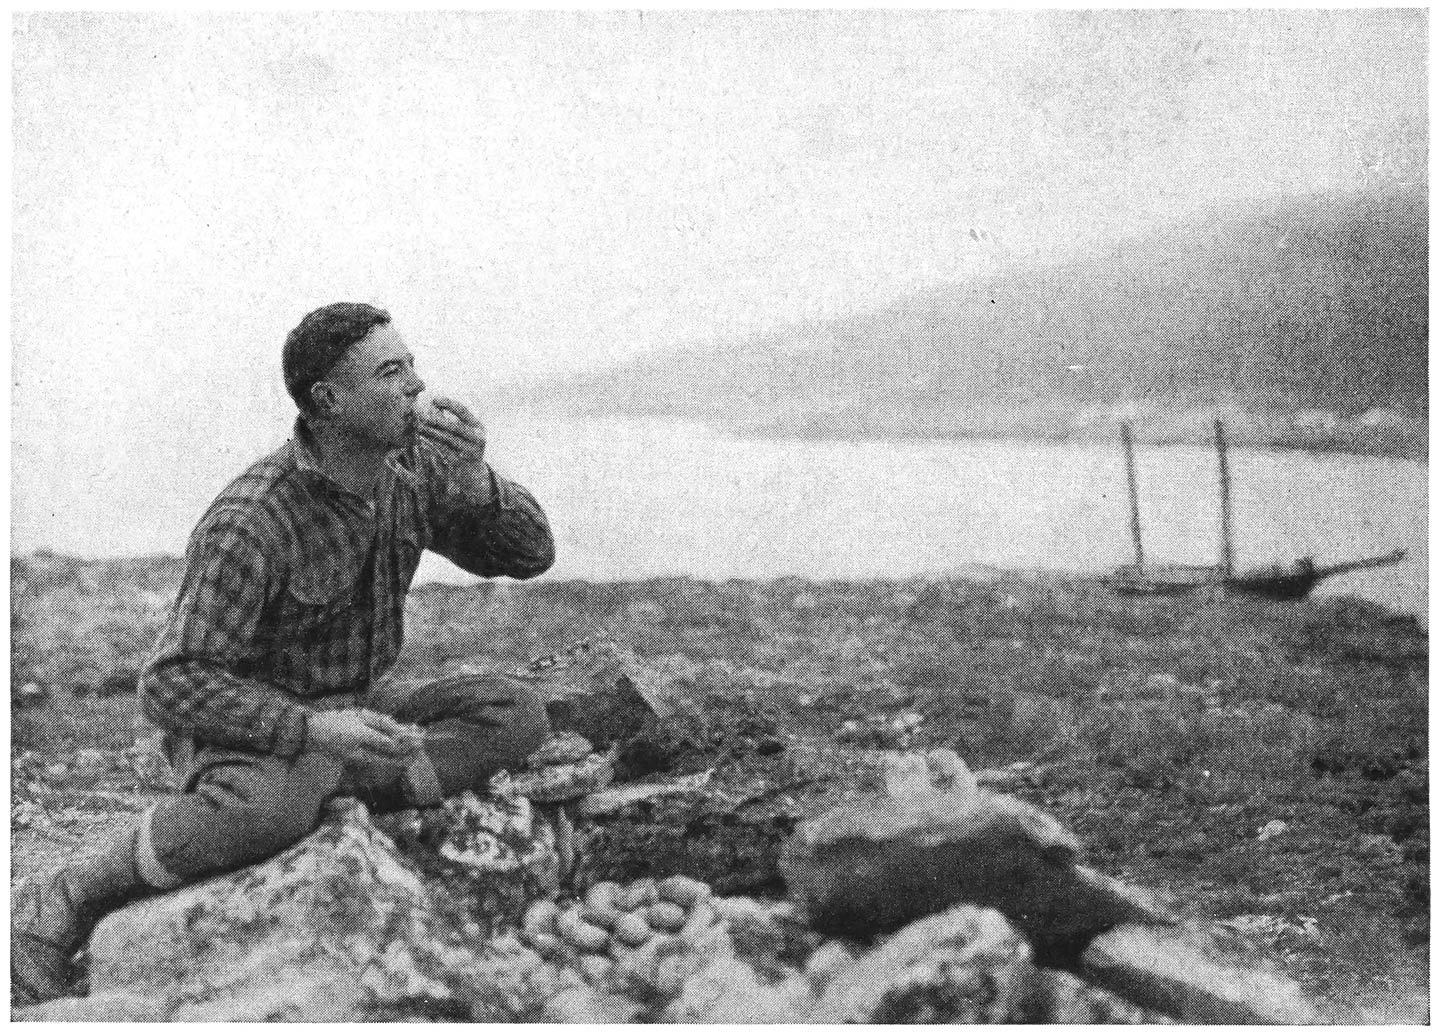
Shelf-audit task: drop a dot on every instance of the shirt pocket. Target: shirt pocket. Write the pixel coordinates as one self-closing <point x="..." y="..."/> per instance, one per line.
<point x="318" y="597"/>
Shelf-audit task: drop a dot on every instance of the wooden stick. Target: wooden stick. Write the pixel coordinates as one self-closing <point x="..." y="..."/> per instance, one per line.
<point x="1227" y="547"/>
<point x="1361" y="564"/>
<point x="1134" y="492"/>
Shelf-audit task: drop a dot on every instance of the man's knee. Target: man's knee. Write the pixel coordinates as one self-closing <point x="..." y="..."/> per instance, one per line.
<point x="480" y="699"/>
<point x="237" y="815"/>
<point x="475" y="726"/>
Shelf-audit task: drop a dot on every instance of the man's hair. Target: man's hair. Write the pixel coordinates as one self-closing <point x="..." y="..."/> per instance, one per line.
<point x="321" y="340"/>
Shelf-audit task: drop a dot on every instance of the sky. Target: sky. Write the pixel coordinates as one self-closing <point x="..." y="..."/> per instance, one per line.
<point x="531" y="193"/>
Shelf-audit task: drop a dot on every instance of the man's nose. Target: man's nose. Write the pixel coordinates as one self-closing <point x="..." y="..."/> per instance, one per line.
<point x="416" y="385"/>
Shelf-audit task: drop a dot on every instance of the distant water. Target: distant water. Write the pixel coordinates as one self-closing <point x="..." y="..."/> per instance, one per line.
<point x="631" y="499"/>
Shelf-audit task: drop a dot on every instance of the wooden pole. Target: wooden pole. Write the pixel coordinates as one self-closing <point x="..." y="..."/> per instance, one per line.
<point x="1134" y="492"/>
<point x="1227" y="547"/>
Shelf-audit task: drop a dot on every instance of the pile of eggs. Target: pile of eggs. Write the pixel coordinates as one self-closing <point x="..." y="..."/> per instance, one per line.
<point x="614" y="921"/>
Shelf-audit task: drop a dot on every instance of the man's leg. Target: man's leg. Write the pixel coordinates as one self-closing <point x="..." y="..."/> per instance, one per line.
<point x="237" y="808"/>
<point x="51" y="915"/>
<point x="475" y="725"/>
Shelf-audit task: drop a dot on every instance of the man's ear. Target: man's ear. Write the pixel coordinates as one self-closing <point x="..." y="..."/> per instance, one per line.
<point x="323" y="399"/>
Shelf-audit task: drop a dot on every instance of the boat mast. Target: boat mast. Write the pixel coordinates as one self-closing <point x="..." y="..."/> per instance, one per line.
<point x="1134" y="492"/>
<point x="1227" y="548"/>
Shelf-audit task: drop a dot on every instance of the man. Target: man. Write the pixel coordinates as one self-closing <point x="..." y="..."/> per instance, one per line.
<point x="291" y="609"/>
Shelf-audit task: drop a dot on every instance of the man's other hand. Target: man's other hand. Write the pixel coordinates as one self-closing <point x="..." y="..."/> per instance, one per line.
<point x="363" y="737"/>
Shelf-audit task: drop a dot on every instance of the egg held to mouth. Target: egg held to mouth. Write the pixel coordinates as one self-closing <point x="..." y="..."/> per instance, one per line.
<point x="427" y="411"/>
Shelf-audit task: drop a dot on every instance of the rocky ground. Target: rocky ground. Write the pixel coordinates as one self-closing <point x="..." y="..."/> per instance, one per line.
<point x="1263" y="766"/>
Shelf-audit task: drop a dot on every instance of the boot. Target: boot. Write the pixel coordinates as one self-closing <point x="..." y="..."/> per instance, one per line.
<point x="52" y="915"/>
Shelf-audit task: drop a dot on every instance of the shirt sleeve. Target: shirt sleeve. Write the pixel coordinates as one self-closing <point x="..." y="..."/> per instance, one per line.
<point x="500" y="531"/>
<point x="194" y="683"/>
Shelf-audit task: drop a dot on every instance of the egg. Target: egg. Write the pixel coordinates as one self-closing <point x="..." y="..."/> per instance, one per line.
<point x="632" y="930"/>
<point x="683" y="890"/>
<point x="540" y="917"/>
<point x="580" y="933"/>
<point x="595" y="968"/>
<point x="637" y="895"/>
<point x="546" y="945"/>
<point x="665" y="916"/>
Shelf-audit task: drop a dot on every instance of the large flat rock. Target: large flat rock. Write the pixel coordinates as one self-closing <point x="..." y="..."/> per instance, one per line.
<point x="341" y="925"/>
<point x="1178" y="972"/>
<point x="966" y="965"/>
<point x="872" y="865"/>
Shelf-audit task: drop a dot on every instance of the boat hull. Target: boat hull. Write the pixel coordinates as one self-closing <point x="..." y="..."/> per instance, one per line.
<point x="1163" y="579"/>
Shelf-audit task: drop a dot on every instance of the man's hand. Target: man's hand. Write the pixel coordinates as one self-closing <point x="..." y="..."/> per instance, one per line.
<point x="461" y="436"/>
<point x="374" y="743"/>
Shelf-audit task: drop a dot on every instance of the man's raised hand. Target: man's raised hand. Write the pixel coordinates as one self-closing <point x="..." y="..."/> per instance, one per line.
<point x="452" y="426"/>
<point x="459" y="434"/>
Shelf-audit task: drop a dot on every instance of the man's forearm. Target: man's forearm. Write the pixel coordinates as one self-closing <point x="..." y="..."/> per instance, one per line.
<point x="203" y="700"/>
<point x="504" y="535"/>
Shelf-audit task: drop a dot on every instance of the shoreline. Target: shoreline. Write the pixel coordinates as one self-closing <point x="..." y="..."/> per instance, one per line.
<point x="1417" y="452"/>
<point x="1385" y="433"/>
<point x="160" y="573"/>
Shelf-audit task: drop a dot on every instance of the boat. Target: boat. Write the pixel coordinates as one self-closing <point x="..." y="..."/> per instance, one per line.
<point x="1299" y="578"/>
<point x="1292" y="582"/>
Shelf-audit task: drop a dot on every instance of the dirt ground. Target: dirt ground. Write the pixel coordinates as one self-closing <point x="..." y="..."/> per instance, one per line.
<point x="1262" y="765"/>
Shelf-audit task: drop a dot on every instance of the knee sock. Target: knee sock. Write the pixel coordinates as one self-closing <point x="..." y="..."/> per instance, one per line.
<point x="152" y="870"/>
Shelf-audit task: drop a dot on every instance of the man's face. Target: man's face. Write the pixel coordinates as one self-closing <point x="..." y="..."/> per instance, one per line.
<point x="373" y="390"/>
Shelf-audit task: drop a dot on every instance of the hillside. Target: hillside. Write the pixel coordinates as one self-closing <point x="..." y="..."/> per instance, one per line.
<point x="1304" y="322"/>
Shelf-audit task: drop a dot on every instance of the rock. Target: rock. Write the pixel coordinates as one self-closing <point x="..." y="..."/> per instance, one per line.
<point x="691" y="825"/>
<point x="728" y="990"/>
<point x="602" y="690"/>
<point x="117" y="1006"/>
<point x="512" y="983"/>
<point x="491" y="855"/>
<point x="872" y="865"/>
<point x="1270" y="830"/>
<point x="616" y="800"/>
<point x="588" y="1006"/>
<point x="1019" y="773"/>
<point x="563" y="781"/>
<point x="1119" y="901"/>
<point x="310" y="995"/>
<point x="725" y="826"/>
<point x="1178" y="972"/>
<point x="90" y="760"/>
<point x="769" y="937"/>
<point x="967" y="965"/>
<point x="31" y="694"/>
<point x="1066" y="1000"/>
<point x="340" y="926"/>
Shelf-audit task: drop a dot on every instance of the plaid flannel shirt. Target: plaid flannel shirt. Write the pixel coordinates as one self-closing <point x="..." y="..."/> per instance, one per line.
<point x="294" y="589"/>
